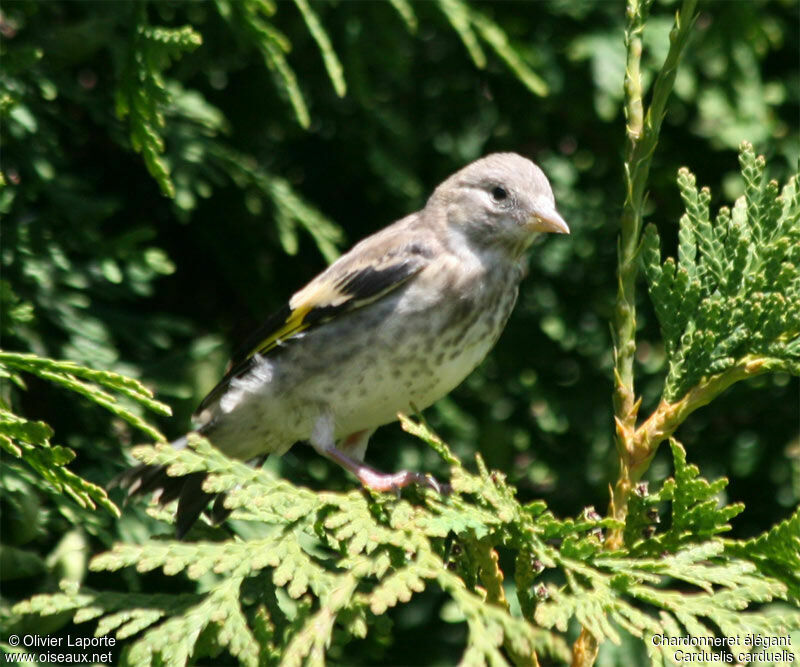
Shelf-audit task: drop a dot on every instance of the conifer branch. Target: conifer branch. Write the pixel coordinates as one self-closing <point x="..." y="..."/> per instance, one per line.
<point x="642" y="130"/>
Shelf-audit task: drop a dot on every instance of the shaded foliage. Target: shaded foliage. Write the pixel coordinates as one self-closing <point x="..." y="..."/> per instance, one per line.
<point x="281" y="133"/>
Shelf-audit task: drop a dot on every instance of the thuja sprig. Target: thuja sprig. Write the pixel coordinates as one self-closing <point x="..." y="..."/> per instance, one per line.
<point x="642" y="130"/>
<point x="728" y="305"/>
<point x="142" y="95"/>
<point x="732" y="296"/>
<point x="25" y="441"/>
<point x="729" y="308"/>
<point x="326" y="567"/>
<point x="643" y="124"/>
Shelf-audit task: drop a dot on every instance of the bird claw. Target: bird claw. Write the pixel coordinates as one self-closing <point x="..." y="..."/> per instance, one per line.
<point x="429" y="481"/>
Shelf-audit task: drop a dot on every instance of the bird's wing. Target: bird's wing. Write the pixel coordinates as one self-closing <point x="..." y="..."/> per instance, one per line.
<point x="372" y="269"/>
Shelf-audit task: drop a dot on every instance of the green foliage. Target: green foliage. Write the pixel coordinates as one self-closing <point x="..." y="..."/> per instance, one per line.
<point x="776" y="551"/>
<point x="682" y="571"/>
<point x="320" y="562"/>
<point x="695" y="516"/>
<point x="250" y="17"/>
<point x="291" y="211"/>
<point x="329" y="57"/>
<point x="88" y="383"/>
<point x="464" y="18"/>
<point x="733" y="296"/>
<point x="35" y="469"/>
<point x="142" y="94"/>
<point x="283" y="129"/>
<point x="321" y="569"/>
<point x="29" y="441"/>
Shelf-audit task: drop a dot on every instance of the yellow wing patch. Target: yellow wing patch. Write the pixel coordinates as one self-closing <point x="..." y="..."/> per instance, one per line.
<point x="317" y="294"/>
<point x="330" y="295"/>
<point x="294" y="325"/>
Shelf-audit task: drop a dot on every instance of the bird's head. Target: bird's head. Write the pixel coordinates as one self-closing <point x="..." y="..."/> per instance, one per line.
<point x="500" y="200"/>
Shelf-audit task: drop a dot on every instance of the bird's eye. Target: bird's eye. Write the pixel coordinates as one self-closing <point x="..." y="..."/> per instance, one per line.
<point x="499" y="194"/>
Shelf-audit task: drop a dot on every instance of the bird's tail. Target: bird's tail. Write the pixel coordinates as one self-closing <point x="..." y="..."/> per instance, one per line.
<point x="186" y="489"/>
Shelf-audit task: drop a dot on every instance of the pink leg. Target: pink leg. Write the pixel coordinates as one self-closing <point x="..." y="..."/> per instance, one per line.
<point x="379" y="481"/>
<point x="322" y="440"/>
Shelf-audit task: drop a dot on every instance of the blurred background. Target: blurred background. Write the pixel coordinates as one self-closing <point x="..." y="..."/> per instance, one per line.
<point x="100" y="267"/>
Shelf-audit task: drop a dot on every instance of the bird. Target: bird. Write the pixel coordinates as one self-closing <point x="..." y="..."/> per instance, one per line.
<point x="393" y="325"/>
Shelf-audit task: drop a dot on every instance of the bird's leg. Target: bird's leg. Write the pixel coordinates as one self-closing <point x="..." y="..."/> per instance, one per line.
<point x="322" y="440"/>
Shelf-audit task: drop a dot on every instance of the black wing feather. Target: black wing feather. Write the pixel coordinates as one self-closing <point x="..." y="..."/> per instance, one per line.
<point x="352" y="290"/>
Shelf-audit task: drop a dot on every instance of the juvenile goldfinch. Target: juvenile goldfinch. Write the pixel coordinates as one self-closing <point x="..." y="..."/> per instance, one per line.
<point x="401" y="319"/>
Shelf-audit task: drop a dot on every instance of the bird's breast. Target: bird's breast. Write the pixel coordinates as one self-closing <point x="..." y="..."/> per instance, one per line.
<point x="418" y="355"/>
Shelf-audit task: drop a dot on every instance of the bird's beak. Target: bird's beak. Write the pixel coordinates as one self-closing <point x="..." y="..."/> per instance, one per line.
<point x="548" y="220"/>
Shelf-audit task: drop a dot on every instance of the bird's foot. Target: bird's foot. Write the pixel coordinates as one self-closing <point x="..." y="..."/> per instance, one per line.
<point x="378" y="481"/>
<point x="322" y="440"/>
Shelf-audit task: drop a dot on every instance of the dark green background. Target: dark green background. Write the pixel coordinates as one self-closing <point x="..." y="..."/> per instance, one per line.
<point x="120" y="277"/>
